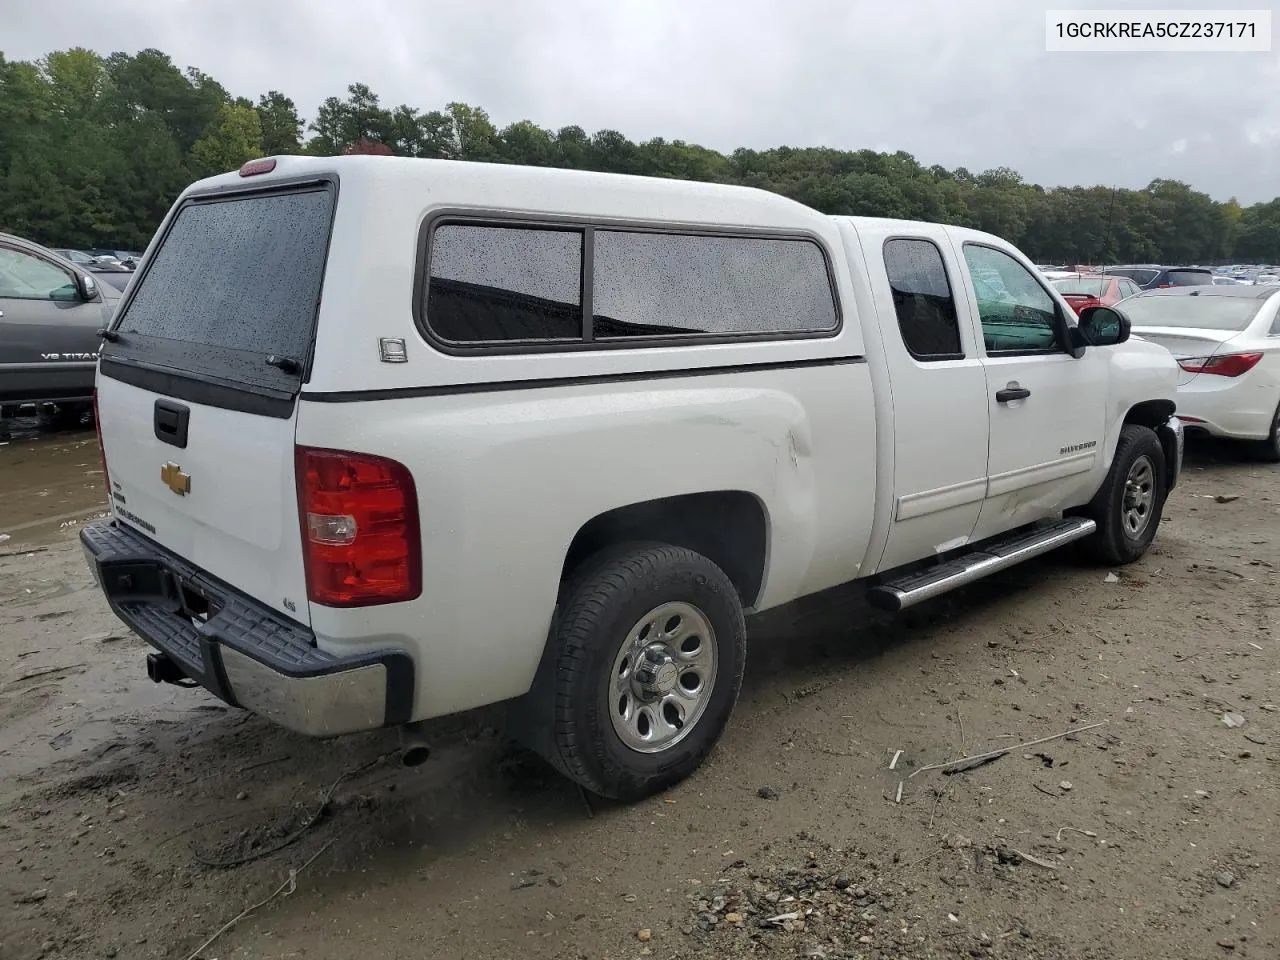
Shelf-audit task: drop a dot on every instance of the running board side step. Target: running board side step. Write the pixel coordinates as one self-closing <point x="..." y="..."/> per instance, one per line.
<point x="898" y="593"/>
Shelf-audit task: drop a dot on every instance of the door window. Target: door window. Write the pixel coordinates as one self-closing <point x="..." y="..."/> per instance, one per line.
<point x="24" y="277"/>
<point x="1017" y="314"/>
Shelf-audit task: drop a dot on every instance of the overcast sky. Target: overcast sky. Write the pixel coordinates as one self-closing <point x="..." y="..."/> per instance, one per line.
<point x="956" y="82"/>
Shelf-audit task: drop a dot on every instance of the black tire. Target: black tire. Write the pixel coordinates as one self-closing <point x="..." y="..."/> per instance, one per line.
<point x="574" y="696"/>
<point x="1116" y="541"/>
<point x="1268" y="450"/>
<point x="68" y="416"/>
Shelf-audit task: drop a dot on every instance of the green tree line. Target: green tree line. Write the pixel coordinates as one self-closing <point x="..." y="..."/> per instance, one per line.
<point x="94" y="149"/>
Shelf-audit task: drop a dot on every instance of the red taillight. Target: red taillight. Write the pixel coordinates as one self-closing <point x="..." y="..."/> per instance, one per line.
<point x="1163" y="286"/>
<point x="102" y="451"/>
<point x="1227" y="365"/>
<point x="359" y="517"/>
<point x="255" y="167"/>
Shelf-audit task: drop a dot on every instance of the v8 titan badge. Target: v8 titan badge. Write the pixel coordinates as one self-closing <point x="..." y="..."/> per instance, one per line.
<point x="171" y="476"/>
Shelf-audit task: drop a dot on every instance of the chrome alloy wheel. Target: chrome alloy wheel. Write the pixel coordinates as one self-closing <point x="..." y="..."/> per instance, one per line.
<point x="663" y="677"/>
<point x="1139" y="497"/>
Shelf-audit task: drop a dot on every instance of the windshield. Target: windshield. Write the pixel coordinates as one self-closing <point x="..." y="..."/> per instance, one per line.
<point x="1206" y="313"/>
<point x="1189" y="278"/>
<point x="1085" y="286"/>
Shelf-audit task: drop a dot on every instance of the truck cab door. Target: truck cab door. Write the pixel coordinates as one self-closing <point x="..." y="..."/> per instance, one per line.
<point x="938" y="393"/>
<point x="1047" y="408"/>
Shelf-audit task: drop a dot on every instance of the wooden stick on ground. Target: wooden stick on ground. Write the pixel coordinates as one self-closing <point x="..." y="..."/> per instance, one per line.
<point x="286" y="888"/>
<point x="992" y="754"/>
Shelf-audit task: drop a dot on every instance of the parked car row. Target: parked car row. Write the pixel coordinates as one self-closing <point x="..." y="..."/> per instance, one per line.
<point x="126" y="259"/>
<point x="1259" y="273"/>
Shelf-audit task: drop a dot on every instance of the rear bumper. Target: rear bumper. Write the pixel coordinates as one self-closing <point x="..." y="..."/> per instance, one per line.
<point x="240" y="650"/>
<point x="1238" y="408"/>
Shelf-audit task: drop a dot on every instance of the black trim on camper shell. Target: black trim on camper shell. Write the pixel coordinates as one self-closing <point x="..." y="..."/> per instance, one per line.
<point x="454" y="389"/>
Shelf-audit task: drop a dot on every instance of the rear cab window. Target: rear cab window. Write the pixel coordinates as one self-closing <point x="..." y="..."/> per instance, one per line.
<point x="1081" y="286"/>
<point x="1193" y="310"/>
<point x="922" y="299"/>
<point x="229" y="298"/>
<point x="1189" y="278"/>
<point x="1136" y="274"/>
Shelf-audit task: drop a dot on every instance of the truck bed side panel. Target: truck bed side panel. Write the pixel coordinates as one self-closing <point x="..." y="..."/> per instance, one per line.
<point x="506" y="479"/>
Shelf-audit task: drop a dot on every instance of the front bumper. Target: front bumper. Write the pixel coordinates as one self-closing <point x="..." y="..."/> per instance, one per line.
<point x="240" y="650"/>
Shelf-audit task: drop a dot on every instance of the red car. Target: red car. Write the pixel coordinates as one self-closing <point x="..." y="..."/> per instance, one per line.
<point x="1095" y="291"/>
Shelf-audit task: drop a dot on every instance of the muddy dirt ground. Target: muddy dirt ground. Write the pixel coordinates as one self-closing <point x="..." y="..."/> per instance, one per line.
<point x="1151" y="837"/>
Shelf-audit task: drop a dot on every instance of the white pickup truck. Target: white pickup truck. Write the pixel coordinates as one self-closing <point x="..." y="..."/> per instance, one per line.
<point x="388" y="439"/>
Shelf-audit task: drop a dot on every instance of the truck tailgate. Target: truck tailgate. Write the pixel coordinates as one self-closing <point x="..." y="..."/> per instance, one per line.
<point x="226" y="501"/>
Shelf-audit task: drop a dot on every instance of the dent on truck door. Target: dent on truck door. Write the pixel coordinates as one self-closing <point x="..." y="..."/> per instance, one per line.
<point x="1047" y="408"/>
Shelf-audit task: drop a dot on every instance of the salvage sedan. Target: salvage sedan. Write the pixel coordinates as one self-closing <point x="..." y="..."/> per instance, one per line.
<point x="1227" y="341"/>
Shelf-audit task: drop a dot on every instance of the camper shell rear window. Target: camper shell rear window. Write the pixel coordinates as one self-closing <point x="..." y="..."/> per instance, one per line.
<point x="230" y="296"/>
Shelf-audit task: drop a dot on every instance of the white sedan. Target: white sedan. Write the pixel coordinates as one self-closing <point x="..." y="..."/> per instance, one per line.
<point x="1227" y="341"/>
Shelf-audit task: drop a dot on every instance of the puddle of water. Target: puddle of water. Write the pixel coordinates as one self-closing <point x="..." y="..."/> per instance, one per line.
<point x="49" y="480"/>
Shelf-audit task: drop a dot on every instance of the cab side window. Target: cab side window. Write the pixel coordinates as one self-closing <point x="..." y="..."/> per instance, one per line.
<point x="922" y="300"/>
<point x="24" y="277"/>
<point x="1017" y="314"/>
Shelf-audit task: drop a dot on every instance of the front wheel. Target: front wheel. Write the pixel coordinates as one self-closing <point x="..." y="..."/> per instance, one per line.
<point x="648" y="648"/>
<point x="1130" y="502"/>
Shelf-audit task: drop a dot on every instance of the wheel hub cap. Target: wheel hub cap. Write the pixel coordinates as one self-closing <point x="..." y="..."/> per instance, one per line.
<point x="1139" y="496"/>
<point x="656" y="676"/>
<point x="663" y="676"/>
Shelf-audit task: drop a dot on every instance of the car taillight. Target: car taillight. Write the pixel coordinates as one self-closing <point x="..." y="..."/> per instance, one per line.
<point x="1163" y="286"/>
<point x="360" y="539"/>
<point x="1227" y="365"/>
<point x="102" y="451"/>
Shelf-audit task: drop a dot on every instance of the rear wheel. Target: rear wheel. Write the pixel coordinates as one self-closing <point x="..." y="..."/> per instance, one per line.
<point x="646" y="664"/>
<point x="1268" y="450"/>
<point x="1130" y="502"/>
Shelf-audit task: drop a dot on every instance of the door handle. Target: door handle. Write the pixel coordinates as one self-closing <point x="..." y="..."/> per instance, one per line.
<point x="1012" y="393"/>
<point x="171" y="421"/>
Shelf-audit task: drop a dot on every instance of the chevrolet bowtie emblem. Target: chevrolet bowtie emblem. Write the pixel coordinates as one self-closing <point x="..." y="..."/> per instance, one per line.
<point x="172" y="476"/>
